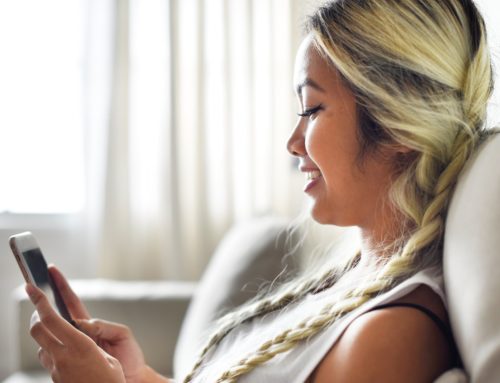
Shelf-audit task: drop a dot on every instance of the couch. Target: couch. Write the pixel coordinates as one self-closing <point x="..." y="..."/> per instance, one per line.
<point x="171" y="317"/>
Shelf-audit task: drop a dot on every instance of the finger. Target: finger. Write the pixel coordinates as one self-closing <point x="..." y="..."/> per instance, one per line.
<point x="98" y="329"/>
<point x="51" y="320"/>
<point x="72" y="301"/>
<point x="43" y="336"/>
<point x="45" y="359"/>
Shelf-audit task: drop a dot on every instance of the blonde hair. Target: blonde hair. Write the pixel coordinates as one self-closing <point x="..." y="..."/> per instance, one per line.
<point x="421" y="74"/>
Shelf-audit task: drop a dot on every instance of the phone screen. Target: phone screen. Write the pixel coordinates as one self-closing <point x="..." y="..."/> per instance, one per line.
<point x="38" y="268"/>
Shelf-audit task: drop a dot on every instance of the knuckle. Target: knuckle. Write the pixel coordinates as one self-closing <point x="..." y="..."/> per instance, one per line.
<point x="95" y="321"/>
<point x="95" y="327"/>
<point x="35" y="329"/>
<point x="112" y="360"/>
<point x="115" y="363"/>
<point x="49" y="319"/>
<point x="39" y="299"/>
<point x="124" y="329"/>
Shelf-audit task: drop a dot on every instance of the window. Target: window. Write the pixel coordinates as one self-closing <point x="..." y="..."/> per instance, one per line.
<point x="42" y="101"/>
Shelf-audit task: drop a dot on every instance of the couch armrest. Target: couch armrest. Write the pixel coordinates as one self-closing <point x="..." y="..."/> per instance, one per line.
<point x="153" y="310"/>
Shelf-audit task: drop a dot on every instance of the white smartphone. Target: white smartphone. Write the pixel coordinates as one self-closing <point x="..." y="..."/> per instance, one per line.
<point x="34" y="269"/>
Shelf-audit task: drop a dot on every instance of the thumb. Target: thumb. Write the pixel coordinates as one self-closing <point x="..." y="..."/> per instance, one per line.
<point x="101" y="330"/>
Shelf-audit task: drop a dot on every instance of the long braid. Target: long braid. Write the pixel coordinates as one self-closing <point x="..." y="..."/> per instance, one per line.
<point x="283" y="297"/>
<point x="290" y="337"/>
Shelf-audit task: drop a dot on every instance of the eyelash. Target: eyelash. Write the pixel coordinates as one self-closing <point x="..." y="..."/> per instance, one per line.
<point x="311" y="111"/>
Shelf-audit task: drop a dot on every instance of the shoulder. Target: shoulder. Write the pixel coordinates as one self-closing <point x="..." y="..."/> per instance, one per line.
<point x="390" y="345"/>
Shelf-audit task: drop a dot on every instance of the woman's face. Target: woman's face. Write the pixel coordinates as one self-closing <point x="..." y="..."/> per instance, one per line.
<point x="326" y="141"/>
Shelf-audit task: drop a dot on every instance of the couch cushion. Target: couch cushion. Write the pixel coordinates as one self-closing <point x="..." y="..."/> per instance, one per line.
<point x="471" y="263"/>
<point x="250" y="254"/>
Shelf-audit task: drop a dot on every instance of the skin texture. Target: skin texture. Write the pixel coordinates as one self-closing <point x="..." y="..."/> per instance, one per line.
<point x="389" y="345"/>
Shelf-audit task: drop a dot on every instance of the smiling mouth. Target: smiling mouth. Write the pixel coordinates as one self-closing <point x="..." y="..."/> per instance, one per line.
<point x="312" y="179"/>
<point x="312" y="175"/>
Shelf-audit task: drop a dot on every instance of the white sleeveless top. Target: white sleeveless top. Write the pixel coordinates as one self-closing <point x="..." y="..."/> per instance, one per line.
<point x="296" y="365"/>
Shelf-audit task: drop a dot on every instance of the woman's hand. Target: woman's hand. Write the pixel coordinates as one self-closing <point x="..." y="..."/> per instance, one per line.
<point x="69" y="354"/>
<point x="115" y="339"/>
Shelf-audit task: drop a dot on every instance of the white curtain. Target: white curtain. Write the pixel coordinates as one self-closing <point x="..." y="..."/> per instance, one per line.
<point x="191" y="127"/>
<point x="190" y="104"/>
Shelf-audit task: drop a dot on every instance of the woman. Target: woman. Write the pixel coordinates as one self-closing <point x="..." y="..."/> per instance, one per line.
<point x="393" y="99"/>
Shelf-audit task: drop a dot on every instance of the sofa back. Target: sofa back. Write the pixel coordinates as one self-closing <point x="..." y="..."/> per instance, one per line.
<point x="472" y="263"/>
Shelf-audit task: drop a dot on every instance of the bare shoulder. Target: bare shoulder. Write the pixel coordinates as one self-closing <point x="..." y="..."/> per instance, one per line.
<point x="397" y="344"/>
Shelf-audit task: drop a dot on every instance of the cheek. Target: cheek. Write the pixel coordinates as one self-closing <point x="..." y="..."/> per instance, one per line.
<point x="334" y="153"/>
<point x="320" y="140"/>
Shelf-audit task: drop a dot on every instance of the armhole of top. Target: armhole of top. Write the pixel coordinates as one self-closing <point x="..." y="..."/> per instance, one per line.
<point x="438" y="321"/>
<point x="443" y="327"/>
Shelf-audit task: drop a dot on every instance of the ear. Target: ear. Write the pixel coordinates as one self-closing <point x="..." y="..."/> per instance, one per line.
<point x="402" y="150"/>
<point x="403" y="156"/>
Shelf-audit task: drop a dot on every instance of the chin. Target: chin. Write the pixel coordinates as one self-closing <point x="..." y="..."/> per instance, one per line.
<point x="322" y="216"/>
<point x="327" y="217"/>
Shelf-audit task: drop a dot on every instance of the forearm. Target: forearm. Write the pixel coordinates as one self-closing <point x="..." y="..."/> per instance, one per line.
<point x="151" y="376"/>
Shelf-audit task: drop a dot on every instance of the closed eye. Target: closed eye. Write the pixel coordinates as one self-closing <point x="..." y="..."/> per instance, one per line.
<point x="311" y="111"/>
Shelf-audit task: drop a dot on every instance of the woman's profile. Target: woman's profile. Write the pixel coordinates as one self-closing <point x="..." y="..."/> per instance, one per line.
<point x="392" y="97"/>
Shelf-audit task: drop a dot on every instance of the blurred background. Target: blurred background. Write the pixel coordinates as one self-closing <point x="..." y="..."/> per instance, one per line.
<point x="134" y="133"/>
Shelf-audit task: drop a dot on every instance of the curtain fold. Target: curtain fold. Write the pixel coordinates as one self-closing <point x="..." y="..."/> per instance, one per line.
<point x="201" y="107"/>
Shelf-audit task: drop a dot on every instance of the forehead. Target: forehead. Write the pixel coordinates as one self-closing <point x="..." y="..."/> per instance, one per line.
<point x="310" y="65"/>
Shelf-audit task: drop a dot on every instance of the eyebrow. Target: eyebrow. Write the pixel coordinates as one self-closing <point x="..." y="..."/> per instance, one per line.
<point x="308" y="82"/>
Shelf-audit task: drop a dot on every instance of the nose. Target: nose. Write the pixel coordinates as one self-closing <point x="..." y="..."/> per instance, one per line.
<point x="296" y="144"/>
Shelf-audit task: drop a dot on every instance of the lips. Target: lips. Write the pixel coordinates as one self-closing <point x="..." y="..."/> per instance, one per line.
<point x="313" y="175"/>
<point x="310" y="183"/>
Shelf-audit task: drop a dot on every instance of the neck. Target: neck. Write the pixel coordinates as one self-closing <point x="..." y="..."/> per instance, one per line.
<point x="379" y="238"/>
